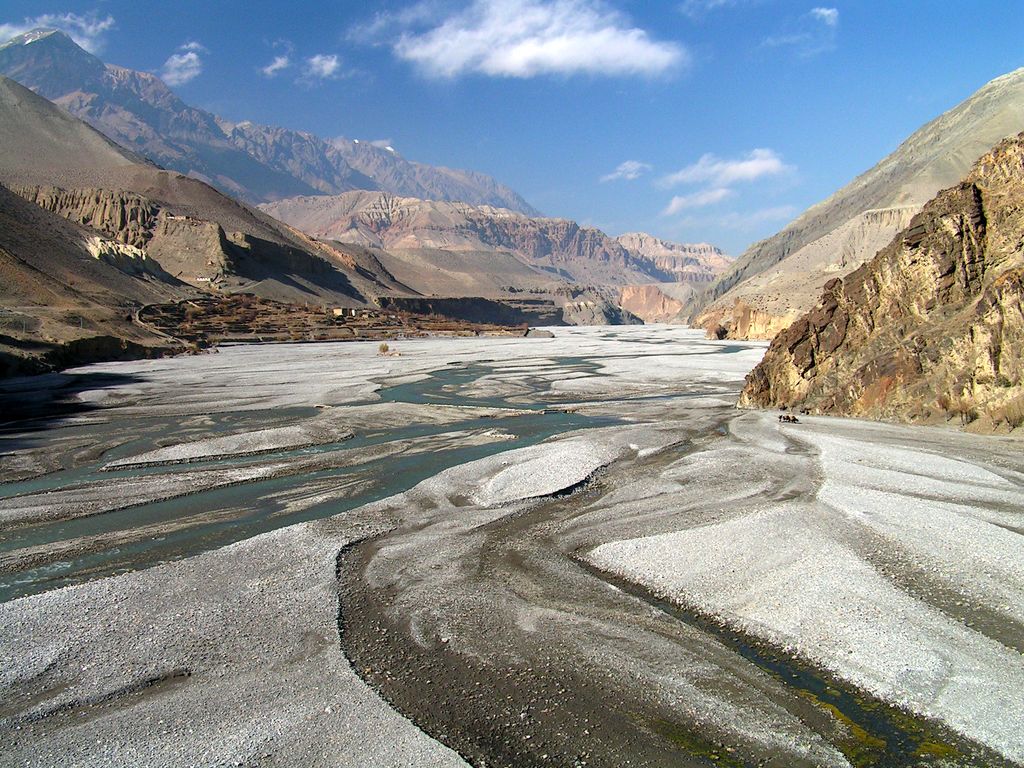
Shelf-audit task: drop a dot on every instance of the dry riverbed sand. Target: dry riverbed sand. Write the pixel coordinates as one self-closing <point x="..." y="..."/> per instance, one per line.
<point x="886" y="556"/>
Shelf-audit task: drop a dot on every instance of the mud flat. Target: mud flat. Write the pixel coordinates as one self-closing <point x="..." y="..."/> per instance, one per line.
<point x="564" y="551"/>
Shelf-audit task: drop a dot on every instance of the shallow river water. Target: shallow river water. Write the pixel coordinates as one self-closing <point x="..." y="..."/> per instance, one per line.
<point x="516" y="493"/>
<point x="195" y="522"/>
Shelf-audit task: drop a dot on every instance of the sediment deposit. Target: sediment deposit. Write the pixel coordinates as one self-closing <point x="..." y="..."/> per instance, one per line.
<point x="553" y="550"/>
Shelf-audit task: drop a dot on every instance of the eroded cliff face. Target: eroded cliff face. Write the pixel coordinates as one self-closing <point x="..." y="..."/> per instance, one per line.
<point x="123" y="216"/>
<point x="196" y="251"/>
<point x="741" y="320"/>
<point x="650" y="303"/>
<point x="929" y="330"/>
<point x="560" y="247"/>
<point x="700" y="263"/>
<point x="768" y="302"/>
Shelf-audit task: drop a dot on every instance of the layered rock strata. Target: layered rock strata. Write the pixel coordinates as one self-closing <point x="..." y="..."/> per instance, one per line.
<point x="932" y="328"/>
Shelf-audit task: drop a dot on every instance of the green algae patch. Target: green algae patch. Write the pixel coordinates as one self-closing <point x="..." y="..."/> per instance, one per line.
<point x="695" y="746"/>
<point x="861" y="748"/>
<point x="939" y="750"/>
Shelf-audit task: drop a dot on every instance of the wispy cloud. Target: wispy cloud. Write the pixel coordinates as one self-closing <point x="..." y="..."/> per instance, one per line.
<point x="322" y="66"/>
<point x="88" y="30"/>
<point x="381" y="144"/>
<point x="526" y="38"/>
<point x="279" y="63"/>
<point x="697" y="9"/>
<point x="741" y="221"/>
<point x="719" y="177"/>
<point x="810" y="35"/>
<point x="722" y="173"/>
<point x="697" y="200"/>
<point x="630" y="170"/>
<point x="384" y="25"/>
<point x="827" y="16"/>
<point x="185" y="65"/>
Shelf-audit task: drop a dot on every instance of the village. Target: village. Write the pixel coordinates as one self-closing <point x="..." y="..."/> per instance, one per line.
<point x="245" y="318"/>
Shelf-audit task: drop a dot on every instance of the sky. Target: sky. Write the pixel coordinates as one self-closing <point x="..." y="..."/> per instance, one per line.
<point x="694" y="120"/>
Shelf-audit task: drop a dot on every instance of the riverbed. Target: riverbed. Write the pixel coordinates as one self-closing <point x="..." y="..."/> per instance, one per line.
<point x="564" y="551"/>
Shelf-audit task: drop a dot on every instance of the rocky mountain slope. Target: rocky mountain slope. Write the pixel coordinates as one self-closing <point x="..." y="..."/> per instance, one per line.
<point x="255" y="163"/>
<point x="779" y="278"/>
<point x="118" y="220"/>
<point x="932" y="328"/>
<point x="195" y="232"/>
<point x="549" y="248"/>
<point x="658" y="302"/>
<point x="68" y="294"/>
<point x="686" y="262"/>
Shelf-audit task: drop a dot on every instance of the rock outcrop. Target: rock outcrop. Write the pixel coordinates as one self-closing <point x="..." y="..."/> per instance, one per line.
<point x="932" y="328"/>
<point x="686" y="262"/>
<point x="781" y="277"/>
<point x="657" y="302"/>
<point x="123" y="216"/>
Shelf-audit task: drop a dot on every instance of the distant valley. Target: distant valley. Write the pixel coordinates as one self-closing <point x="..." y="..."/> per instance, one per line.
<point x="150" y="235"/>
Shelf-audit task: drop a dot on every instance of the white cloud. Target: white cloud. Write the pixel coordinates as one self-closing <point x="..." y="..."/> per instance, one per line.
<point x="381" y="143"/>
<point x="722" y="173"/>
<point x="697" y="200"/>
<point x="630" y="170"/>
<point x="322" y="66"/>
<point x="735" y="220"/>
<point x="279" y="63"/>
<point x="719" y="176"/>
<point x="526" y="38"/>
<point x="184" y="66"/>
<point x="811" y="34"/>
<point x="383" y="24"/>
<point x="88" y="30"/>
<point x="698" y="8"/>
<point x="828" y="16"/>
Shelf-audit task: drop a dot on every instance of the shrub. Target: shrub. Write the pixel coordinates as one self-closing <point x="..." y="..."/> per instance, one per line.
<point x="383" y="349"/>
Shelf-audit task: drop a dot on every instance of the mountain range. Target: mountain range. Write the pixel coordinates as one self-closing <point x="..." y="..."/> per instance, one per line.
<point x="428" y="235"/>
<point x="251" y="162"/>
<point x="92" y="231"/>
<point x="448" y="232"/>
<point x="141" y="234"/>
<point x="779" y="278"/>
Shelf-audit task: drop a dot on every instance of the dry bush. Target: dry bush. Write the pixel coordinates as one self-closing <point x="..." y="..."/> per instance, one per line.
<point x="383" y="349"/>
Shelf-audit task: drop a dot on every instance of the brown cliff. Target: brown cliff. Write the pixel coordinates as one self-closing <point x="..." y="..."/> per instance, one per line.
<point x="929" y="330"/>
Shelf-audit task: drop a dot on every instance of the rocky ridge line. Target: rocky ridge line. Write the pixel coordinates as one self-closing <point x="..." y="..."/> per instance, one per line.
<point x="781" y="277"/>
<point x="931" y="329"/>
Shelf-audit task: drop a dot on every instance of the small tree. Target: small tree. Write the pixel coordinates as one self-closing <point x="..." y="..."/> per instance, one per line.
<point x="383" y="349"/>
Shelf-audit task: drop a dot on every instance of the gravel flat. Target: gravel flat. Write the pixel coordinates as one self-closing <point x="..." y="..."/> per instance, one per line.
<point x="575" y="551"/>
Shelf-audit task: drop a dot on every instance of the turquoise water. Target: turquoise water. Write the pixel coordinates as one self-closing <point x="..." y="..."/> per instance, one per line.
<point x="197" y="522"/>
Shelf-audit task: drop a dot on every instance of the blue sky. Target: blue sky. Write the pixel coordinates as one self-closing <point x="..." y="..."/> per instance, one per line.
<point x="715" y="120"/>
